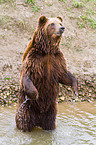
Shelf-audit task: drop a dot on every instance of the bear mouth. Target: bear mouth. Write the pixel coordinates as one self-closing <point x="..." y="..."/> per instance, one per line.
<point x="60" y="32"/>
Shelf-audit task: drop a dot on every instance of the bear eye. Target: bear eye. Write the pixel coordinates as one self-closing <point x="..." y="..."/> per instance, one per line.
<point x="52" y="24"/>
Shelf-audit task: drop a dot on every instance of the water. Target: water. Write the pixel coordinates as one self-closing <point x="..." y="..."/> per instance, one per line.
<point x="76" y="125"/>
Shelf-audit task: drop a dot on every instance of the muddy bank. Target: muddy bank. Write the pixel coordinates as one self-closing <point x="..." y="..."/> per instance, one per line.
<point x="18" y="21"/>
<point x="86" y="90"/>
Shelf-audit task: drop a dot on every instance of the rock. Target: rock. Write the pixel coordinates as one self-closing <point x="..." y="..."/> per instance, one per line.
<point x="62" y="98"/>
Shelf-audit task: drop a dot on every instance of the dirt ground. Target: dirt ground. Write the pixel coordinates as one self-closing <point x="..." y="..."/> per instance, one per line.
<point x="18" y="20"/>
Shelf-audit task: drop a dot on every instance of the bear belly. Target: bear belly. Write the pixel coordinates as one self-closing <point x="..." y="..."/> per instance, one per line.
<point x="45" y="79"/>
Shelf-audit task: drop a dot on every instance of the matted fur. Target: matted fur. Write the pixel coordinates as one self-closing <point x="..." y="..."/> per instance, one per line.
<point x="45" y="66"/>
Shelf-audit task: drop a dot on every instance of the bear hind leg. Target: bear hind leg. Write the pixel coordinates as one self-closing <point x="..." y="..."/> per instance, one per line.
<point x="25" y="120"/>
<point x="48" y="122"/>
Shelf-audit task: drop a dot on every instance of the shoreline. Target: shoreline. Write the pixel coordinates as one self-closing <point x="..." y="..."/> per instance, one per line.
<point x="86" y="91"/>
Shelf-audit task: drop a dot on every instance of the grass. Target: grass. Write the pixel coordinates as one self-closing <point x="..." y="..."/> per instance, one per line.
<point x="4" y="19"/>
<point x="35" y="8"/>
<point x="86" y="12"/>
<point x="3" y="36"/>
<point x="10" y="23"/>
<point x="85" y="22"/>
<point x="31" y="2"/>
<point x="88" y="17"/>
<point x="68" y="9"/>
<point x="8" y="3"/>
<point x="78" y="4"/>
<point x="49" y="4"/>
<point x="7" y="78"/>
<point x="4" y="1"/>
<point x="0" y="20"/>
<point x="63" y="1"/>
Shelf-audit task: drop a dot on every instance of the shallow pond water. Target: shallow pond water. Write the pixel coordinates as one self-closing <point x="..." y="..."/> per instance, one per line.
<point x="76" y="124"/>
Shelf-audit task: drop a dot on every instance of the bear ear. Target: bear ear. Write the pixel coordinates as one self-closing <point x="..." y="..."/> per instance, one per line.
<point x="42" y="20"/>
<point x="60" y="18"/>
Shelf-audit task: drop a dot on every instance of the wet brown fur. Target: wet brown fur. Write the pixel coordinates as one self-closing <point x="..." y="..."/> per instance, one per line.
<point x="45" y="65"/>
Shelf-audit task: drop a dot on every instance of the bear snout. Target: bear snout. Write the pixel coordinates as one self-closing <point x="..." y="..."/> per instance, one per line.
<point x="61" y="29"/>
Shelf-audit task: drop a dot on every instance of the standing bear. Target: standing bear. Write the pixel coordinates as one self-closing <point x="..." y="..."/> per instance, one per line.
<point x="43" y="68"/>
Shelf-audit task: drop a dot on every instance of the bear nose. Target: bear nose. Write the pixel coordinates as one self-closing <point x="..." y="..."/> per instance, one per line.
<point x="62" y="29"/>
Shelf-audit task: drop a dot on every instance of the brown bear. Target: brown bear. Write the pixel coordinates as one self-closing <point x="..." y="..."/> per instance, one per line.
<point x="43" y="68"/>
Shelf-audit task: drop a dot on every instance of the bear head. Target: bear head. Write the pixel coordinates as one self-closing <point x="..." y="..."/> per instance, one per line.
<point x="47" y="36"/>
<point x="53" y="27"/>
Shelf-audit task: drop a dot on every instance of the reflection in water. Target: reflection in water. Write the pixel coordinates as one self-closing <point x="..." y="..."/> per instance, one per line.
<point x="76" y="124"/>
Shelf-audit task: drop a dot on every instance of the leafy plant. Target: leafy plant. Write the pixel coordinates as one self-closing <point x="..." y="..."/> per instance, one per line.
<point x="7" y="78"/>
<point x="77" y="4"/>
<point x="35" y="8"/>
<point x="68" y="9"/>
<point x="31" y="2"/>
<point x="0" y="20"/>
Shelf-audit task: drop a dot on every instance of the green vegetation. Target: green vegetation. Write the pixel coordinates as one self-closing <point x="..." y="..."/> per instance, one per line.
<point x="78" y="4"/>
<point x="49" y="4"/>
<point x="68" y="9"/>
<point x="3" y="1"/>
<point x="7" y="78"/>
<point x="35" y="8"/>
<point x="31" y="2"/>
<point x="86" y="18"/>
<point x="0" y="20"/>
<point x="8" y="22"/>
<point x="63" y="1"/>
<point x="84" y="22"/>
<point x="18" y="22"/>
<point x="4" y="19"/>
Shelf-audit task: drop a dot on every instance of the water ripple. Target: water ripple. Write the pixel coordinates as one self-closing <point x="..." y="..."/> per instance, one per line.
<point x="76" y="125"/>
